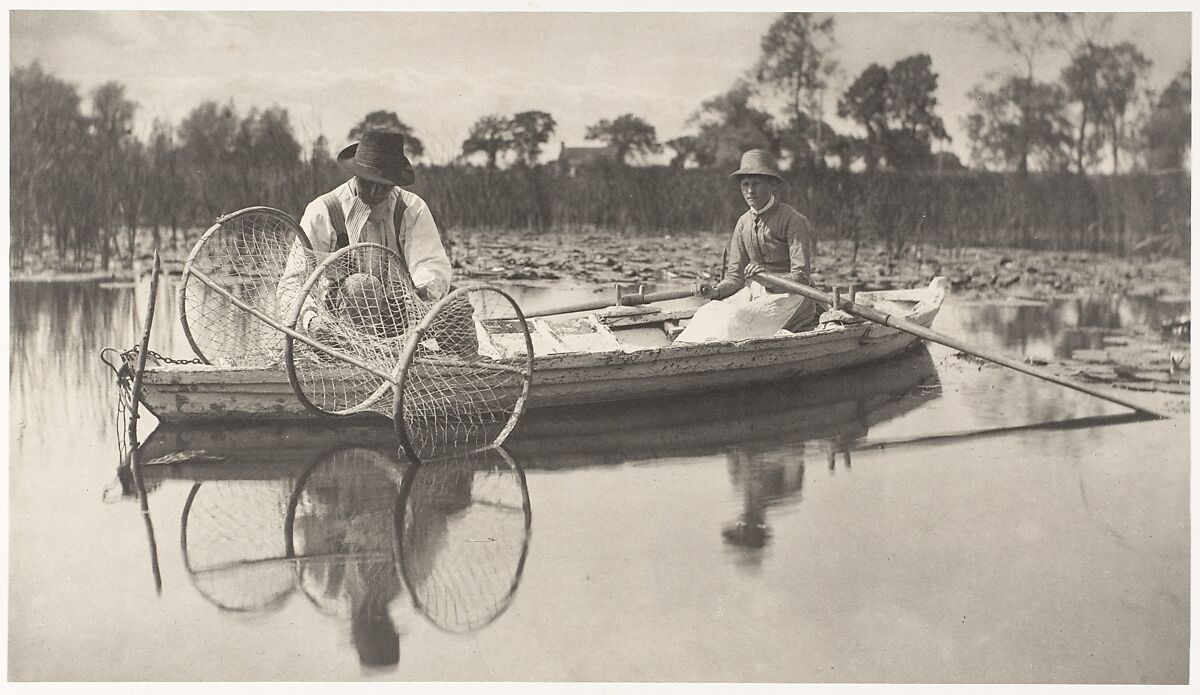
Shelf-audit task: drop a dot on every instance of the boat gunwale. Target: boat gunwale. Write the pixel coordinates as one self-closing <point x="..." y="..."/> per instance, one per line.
<point x="929" y="300"/>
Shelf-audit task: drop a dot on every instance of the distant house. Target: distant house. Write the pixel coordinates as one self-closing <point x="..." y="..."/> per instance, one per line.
<point x="572" y="159"/>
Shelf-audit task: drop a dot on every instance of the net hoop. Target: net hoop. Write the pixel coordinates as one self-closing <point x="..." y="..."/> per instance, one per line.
<point x="356" y="456"/>
<point x="182" y="294"/>
<point x="405" y="428"/>
<point x="478" y="461"/>
<point x="276" y="600"/>
<point x="293" y="318"/>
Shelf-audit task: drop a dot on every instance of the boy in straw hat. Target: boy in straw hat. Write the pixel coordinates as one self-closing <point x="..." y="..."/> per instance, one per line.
<point x="771" y="236"/>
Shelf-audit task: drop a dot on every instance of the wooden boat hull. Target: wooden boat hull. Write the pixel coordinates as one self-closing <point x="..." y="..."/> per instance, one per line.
<point x="198" y="393"/>
<point x="837" y="407"/>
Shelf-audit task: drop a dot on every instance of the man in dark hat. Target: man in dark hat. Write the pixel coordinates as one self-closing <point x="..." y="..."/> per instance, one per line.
<point x="771" y="236"/>
<point x="372" y="207"/>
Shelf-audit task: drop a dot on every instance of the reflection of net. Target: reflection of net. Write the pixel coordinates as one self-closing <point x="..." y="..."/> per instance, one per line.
<point x="232" y="538"/>
<point x="463" y="380"/>
<point x="340" y="532"/>
<point x="463" y="533"/>
<point x="359" y="300"/>
<point x="245" y="254"/>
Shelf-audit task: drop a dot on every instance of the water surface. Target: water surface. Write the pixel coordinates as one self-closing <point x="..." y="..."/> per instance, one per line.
<point x="790" y="533"/>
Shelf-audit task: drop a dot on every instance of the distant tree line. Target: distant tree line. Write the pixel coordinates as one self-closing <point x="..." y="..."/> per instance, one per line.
<point x="83" y="186"/>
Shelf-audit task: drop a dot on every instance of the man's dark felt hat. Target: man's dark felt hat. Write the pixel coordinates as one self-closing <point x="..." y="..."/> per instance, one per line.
<point x="378" y="157"/>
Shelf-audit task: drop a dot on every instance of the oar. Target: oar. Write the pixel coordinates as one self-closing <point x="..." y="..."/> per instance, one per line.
<point x="884" y="319"/>
<point x="622" y="300"/>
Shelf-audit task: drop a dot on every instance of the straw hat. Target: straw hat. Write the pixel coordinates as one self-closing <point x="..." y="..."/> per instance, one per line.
<point x="378" y="157"/>
<point x="757" y="162"/>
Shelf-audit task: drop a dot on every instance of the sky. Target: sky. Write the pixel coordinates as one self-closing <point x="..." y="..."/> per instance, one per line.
<point x="440" y="71"/>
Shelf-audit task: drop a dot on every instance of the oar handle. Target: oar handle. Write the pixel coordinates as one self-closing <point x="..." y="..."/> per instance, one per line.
<point x="635" y="299"/>
<point x="876" y="316"/>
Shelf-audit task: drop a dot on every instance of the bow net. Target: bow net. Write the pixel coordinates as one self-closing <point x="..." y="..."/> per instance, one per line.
<point x="233" y="543"/>
<point x="463" y="528"/>
<point x="339" y="531"/>
<point x="246" y="254"/>
<point x="355" y="335"/>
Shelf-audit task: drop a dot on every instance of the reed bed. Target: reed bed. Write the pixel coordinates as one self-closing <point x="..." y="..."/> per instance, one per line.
<point x="1128" y="213"/>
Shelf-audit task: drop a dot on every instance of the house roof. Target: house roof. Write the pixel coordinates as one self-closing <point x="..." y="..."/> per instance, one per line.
<point x="584" y="155"/>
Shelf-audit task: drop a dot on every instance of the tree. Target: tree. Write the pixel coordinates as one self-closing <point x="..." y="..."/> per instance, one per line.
<point x="389" y="121"/>
<point x="1121" y="67"/>
<point x="206" y="139"/>
<point x="866" y="103"/>
<point x="730" y="125"/>
<point x="1020" y="121"/>
<point x="913" y="124"/>
<point x="1169" y="131"/>
<point x="796" y="62"/>
<point x="627" y="134"/>
<point x="490" y="135"/>
<point x="119" y="163"/>
<point x="529" y="131"/>
<point x="48" y="170"/>
<point x="685" y="148"/>
<point x="1024" y="34"/>
<point x="1080" y="78"/>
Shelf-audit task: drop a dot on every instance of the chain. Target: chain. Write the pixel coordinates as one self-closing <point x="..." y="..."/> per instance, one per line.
<point x="130" y="354"/>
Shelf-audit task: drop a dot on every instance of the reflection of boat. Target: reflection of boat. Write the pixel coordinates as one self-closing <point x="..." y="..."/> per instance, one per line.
<point x="621" y="354"/>
<point x="839" y="405"/>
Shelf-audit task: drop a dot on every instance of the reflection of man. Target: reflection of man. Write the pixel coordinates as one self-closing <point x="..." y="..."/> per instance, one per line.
<point x="344" y="540"/>
<point x="771" y="236"/>
<point x="371" y="207"/>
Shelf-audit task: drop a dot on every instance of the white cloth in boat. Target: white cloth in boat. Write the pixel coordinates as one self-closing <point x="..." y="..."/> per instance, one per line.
<point x="422" y="244"/>
<point x="752" y="312"/>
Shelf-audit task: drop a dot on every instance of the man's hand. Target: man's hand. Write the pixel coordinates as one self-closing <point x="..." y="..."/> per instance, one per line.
<point x="705" y="291"/>
<point x="424" y="292"/>
<point x="753" y="269"/>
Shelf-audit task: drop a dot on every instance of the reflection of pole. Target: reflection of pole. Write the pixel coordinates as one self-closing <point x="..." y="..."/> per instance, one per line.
<point x="135" y="396"/>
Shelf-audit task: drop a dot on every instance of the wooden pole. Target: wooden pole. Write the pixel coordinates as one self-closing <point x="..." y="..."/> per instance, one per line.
<point x="622" y="300"/>
<point x="780" y="283"/>
<point x="135" y="397"/>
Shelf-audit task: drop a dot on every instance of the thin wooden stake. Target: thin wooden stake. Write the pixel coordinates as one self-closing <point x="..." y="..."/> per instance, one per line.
<point x="136" y="393"/>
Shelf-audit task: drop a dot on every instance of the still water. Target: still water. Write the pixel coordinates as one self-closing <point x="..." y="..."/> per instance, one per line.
<point x="790" y="533"/>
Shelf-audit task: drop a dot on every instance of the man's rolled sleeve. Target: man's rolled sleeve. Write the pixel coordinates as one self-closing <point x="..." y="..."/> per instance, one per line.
<point x="316" y="227"/>
<point x="427" y="260"/>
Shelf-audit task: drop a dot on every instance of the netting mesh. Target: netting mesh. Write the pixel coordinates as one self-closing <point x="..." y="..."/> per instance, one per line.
<point x="465" y="375"/>
<point x="233" y="543"/>
<point x="340" y="532"/>
<point x="358" y="300"/>
<point x="463" y="529"/>
<point x="355" y="335"/>
<point x="246" y="254"/>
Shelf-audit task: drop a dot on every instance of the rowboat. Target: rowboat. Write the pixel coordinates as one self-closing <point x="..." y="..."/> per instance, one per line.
<point x="615" y="355"/>
<point x="836" y="408"/>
